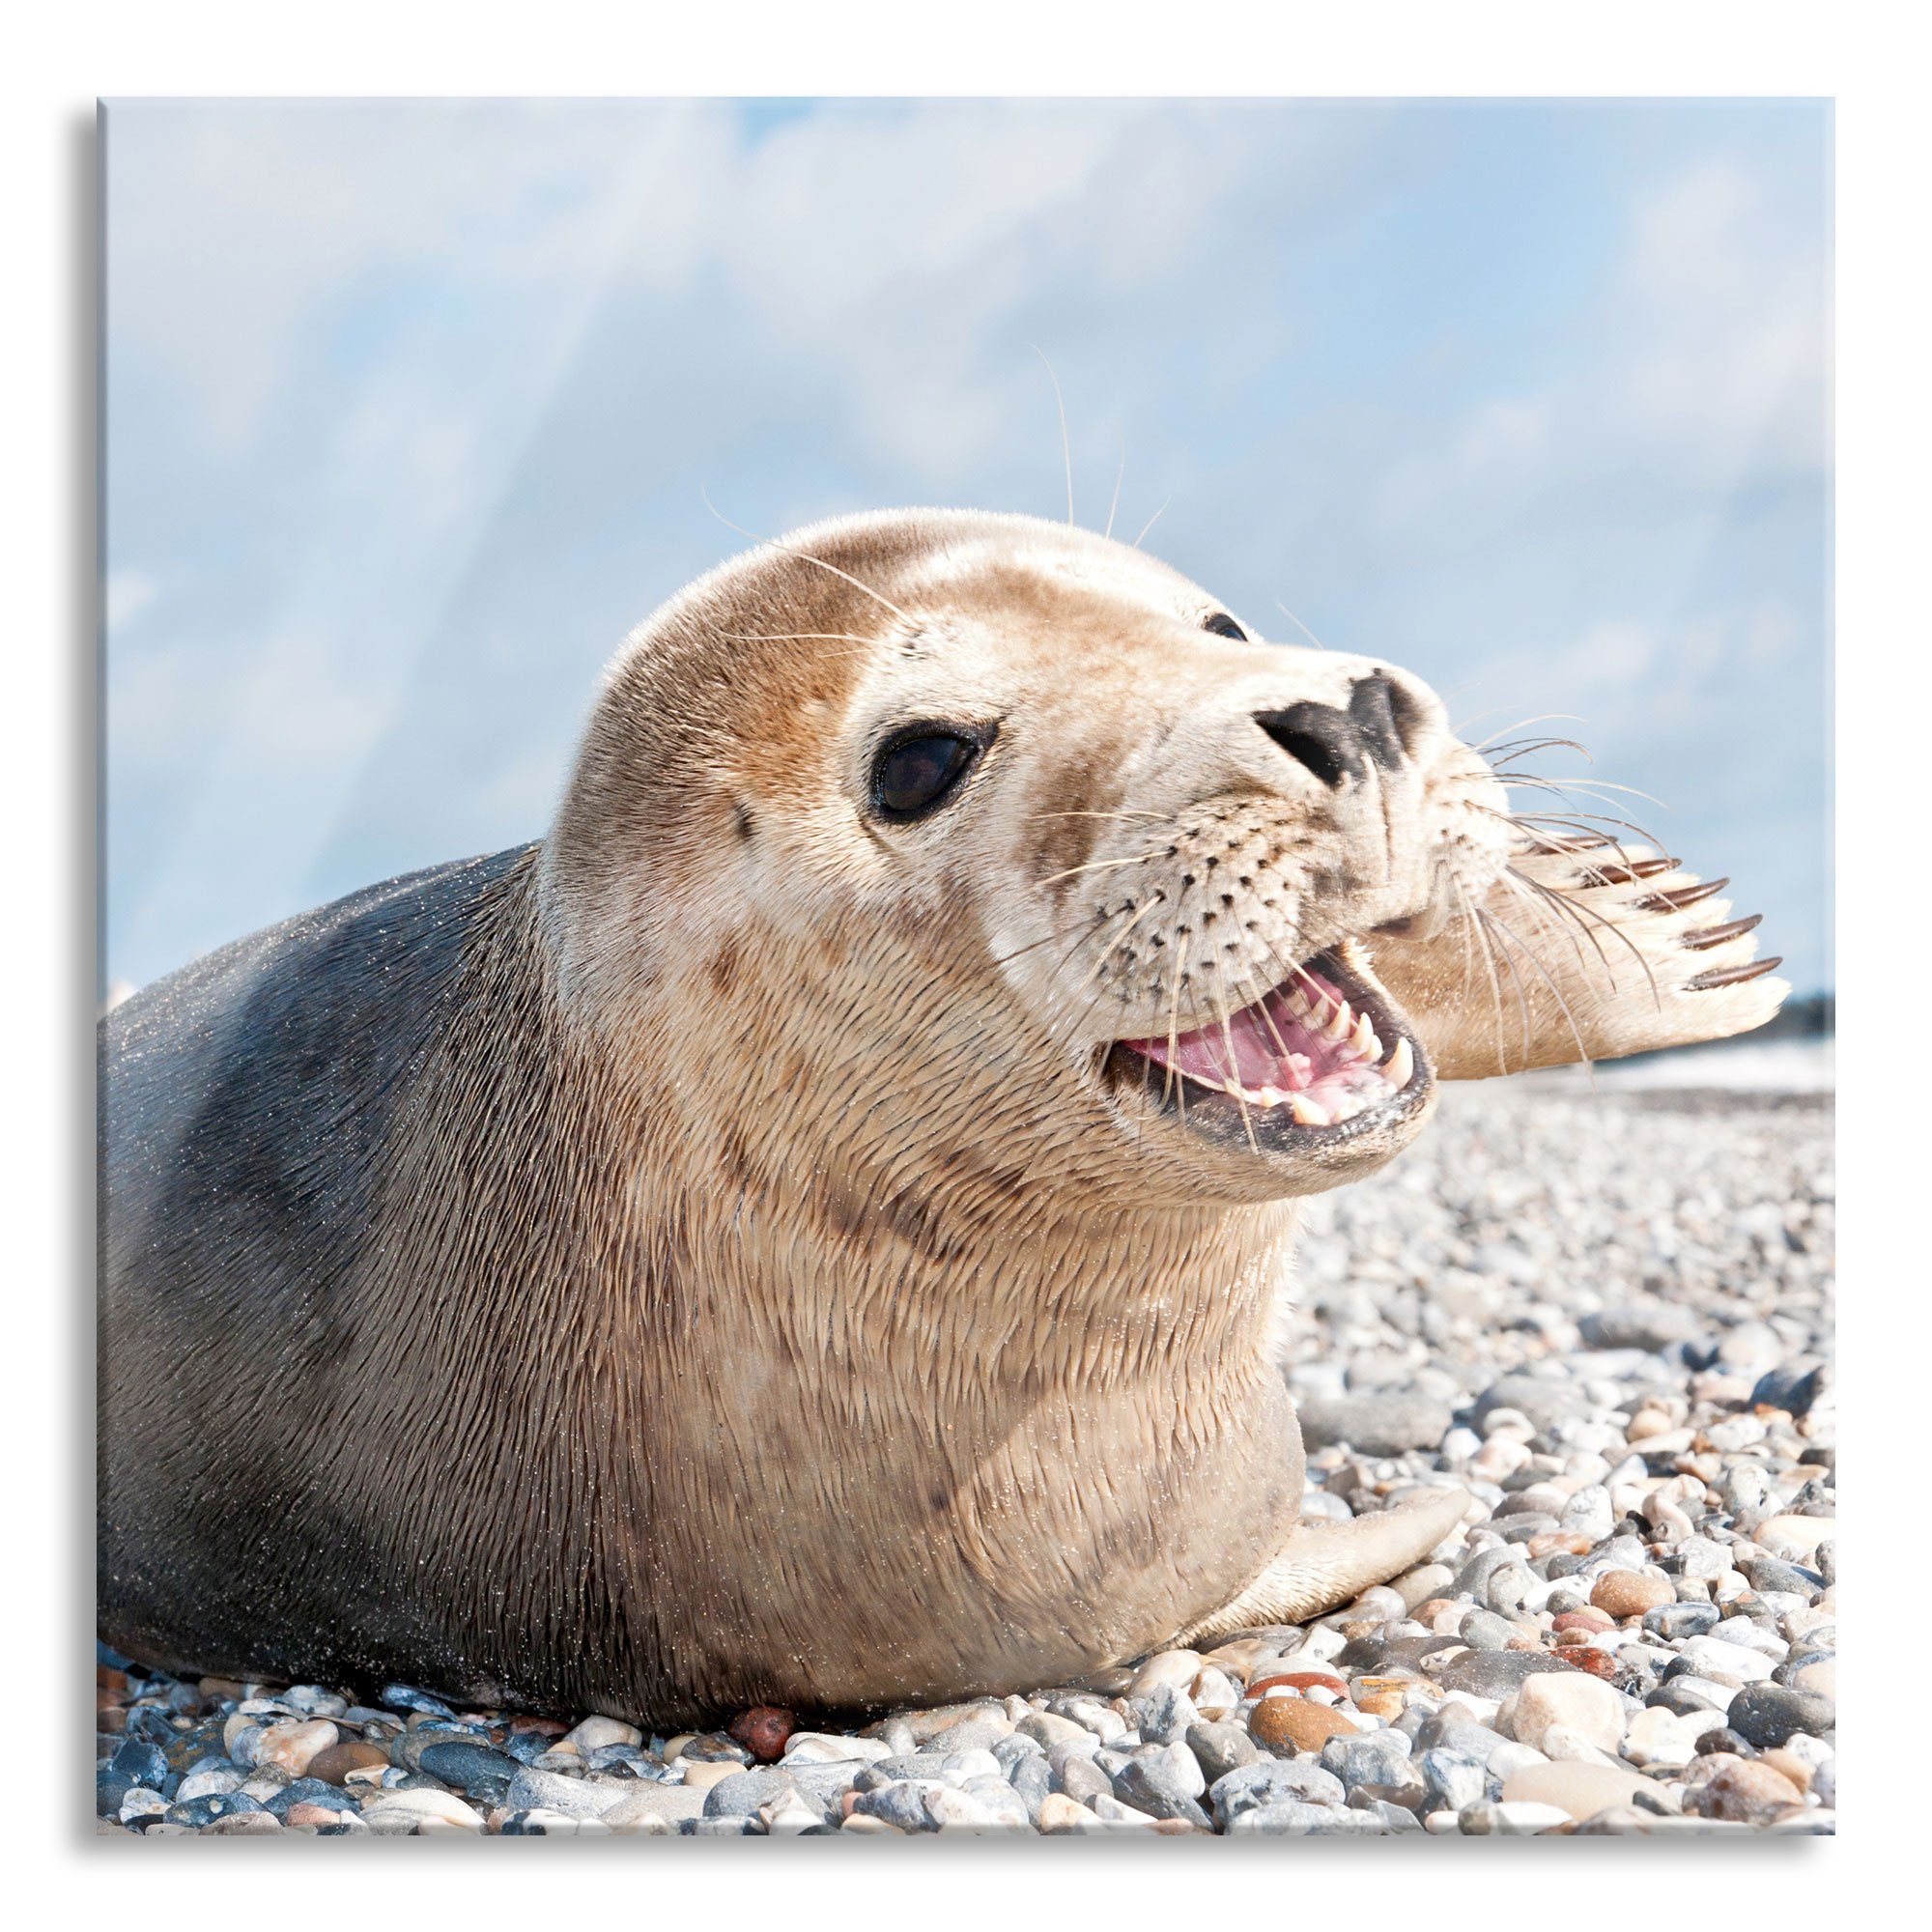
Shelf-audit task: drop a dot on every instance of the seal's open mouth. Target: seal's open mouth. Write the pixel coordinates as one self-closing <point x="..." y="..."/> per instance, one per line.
<point x="1321" y="1051"/>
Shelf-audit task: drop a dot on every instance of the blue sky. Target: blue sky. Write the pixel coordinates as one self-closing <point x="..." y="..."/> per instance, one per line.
<point x="411" y="408"/>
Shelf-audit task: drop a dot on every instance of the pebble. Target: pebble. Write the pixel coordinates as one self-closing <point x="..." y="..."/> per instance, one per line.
<point x="1176" y="1668"/>
<point x="1626" y="1361"/>
<point x="763" y="1731"/>
<point x="1221" y="1748"/>
<point x="333" y="1763"/>
<point x="1796" y="1538"/>
<point x="1378" y="1424"/>
<point x="428" y="1812"/>
<point x="1765" y="1715"/>
<point x="1289" y="1725"/>
<point x="594" y="1733"/>
<point x="534" y="1790"/>
<point x="1630" y="1593"/>
<point x="1494" y="1674"/>
<point x="1581" y="1790"/>
<point x="1748" y="1791"/>
<point x="1273" y="1782"/>
<point x="1588" y="1709"/>
<point x="1166" y="1784"/>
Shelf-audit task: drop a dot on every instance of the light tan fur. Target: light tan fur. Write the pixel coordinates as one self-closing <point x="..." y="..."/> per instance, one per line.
<point x="774" y="1293"/>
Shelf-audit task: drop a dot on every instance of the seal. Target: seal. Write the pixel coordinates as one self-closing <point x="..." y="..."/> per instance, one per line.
<point x="815" y="1228"/>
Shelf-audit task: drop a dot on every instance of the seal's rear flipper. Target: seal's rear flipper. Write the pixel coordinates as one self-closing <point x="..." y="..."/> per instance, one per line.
<point x="1579" y="952"/>
<point x="1328" y="1564"/>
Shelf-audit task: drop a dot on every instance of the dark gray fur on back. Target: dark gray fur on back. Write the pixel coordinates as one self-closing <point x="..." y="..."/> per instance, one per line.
<point x="245" y="1102"/>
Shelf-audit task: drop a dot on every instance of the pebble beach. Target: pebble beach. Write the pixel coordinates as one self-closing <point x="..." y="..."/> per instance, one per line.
<point x="1604" y="1312"/>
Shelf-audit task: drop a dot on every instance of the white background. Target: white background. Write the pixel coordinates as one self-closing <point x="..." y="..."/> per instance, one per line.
<point x="1869" y="57"/>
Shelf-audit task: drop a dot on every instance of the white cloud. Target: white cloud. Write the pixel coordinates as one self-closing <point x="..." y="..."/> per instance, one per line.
<point x="127" y="593"/>
<point x="410" y="404"/>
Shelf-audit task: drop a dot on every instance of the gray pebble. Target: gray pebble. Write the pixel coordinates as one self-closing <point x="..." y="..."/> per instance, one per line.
<point x="1220" y="1748"/>
<point x="1379" y="1423"/>
<point x="1273" y="1782"/>
<point x="1766" y="1715"/>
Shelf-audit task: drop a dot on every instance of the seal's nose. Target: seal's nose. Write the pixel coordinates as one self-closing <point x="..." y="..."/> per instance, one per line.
<point x="1378" y="727"/>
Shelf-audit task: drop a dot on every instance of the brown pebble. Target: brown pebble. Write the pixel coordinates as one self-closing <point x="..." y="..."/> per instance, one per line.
<point x="1299" y="1679"/>
<point x="543" y="1727"/>
<point x="334" y="1762"/>
<point x="310" y="1817"/>
<point x="1748" y="1791"/>
<point x="1554" y="1542"/>
<point x="295" y="1747"/>
<point x="1583" y="1620"/>
<point x="1287" y="1724"/>
<point x="1380" y="1697"/>
<point x="1427" y="1613"/>
<point x="110" y="1680"/>
<point x="1597" y="1663"/>
<point x="763" y="1730"/>
<point x="1629" y="1593"/>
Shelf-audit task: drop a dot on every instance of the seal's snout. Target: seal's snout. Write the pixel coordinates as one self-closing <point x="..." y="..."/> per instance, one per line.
<point x="1382" y="726"/>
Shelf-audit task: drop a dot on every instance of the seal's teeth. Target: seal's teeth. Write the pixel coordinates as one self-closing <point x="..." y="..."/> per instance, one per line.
<point x="1307" y="1113"/>
<point x="1298" y="1002"/>
<point x="1371" y="1048"/>
<point x="1337" y="1028"/>
<point x="1401" y="1065"/>
<point x="1363" y="1038"/>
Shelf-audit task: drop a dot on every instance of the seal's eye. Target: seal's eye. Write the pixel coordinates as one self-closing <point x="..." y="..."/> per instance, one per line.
<point x="918" y="770"/>
<point x="1224" y="626"/>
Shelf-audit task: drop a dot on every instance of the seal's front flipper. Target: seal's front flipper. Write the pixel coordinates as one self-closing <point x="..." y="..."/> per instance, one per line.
<point x="1328" y="1564"/>
<point x="1579" y="952"/>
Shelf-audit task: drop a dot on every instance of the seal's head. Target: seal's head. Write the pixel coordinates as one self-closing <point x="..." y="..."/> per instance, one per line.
<point x="992" y="853"/>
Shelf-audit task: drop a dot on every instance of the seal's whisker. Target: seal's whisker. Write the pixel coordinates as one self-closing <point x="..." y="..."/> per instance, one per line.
<point x="1300" y="625"/>
<point x="905" y="618"/>
<point x="1119" y="938"/>
<point x="1260" y="1003"/>
<point x="1537" y="718"/>
<point x="1034" y="945"/>
<point x="1585" y="787"/>
<point x="794" y="636"/>
<point x="1522" y="747"/>
<point x="1486" y="919"/>
<point x="1563" y="902"/>
<point x="1513" y="881"/>
<point x="1065" y="444"/>
<point x="1510" y="937"/>
<point x="1100" y="866"/>
<point x="1126" y="817"/>
<point x="1151" y="522"/>
<point x="1474" y="928"/>
<point x="1233" y="1071"/>
<point x="1174" y="1026"/>
<point x="1577" y="822"/>
<point x="1119" y="476"/>
<point x="1583" y="815"/>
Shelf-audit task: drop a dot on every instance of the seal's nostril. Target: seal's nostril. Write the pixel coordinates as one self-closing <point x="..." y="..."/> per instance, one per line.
<point x="1319" y="737"/>
<point x="1384" y="717"/>
<point x="1381" y="724"/>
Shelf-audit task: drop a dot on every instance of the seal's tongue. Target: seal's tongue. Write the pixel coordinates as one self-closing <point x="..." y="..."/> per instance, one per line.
<point x="1301" y="1046"/>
